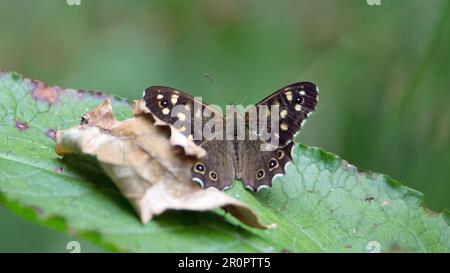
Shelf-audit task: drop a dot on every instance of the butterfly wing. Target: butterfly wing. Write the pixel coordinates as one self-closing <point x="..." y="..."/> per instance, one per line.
<point x="181" y="110"/>
<point x="295" y="102"/>
<point x="187" y="114"/>
<point x="264" y="166"/>
<point x="217" y="168"/>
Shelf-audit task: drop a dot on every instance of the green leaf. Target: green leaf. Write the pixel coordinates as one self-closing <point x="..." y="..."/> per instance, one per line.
<point x="323" y="204"/>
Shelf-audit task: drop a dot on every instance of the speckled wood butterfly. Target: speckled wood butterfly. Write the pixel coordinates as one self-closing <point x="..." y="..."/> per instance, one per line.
<point x="229" y="159"/>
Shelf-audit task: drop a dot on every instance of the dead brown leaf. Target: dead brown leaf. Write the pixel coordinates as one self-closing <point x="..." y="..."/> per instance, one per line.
<point x="150" y="163"/>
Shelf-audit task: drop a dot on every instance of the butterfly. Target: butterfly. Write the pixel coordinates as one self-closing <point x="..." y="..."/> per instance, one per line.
<point x="243" y="159"/>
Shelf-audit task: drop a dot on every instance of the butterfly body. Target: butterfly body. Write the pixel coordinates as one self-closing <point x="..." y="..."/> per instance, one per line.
<point x="238" y="148"/>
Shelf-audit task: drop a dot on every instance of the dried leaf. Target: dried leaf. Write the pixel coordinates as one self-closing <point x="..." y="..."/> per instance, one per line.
<point x="150" y="163"/>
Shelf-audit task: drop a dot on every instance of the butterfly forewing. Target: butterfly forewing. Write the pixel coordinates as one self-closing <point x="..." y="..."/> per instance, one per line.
<point x="180" y="110"/>
<point x="287" y="109"/>
<point x="293" y="104"/>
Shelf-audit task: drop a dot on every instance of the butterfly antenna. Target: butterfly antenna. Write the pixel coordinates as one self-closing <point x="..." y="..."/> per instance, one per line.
<point x="217" y="88"/>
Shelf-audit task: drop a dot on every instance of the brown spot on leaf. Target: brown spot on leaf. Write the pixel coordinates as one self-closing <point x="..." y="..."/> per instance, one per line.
<point x="71" y="231"/>
<point x="369" y="199"/>
<point x="349" y="246"/>
<point x="38" y="210"/>
<point x="21" y="126"/>
<point x="395" y="248"/>
<point x="431" y="213"/>
<point x="45" y="93"/>
<point x="284" y="250"/>
<point x="51" y="134"/>
<point x="81" y="94"/>
<point x="99" y="95"/>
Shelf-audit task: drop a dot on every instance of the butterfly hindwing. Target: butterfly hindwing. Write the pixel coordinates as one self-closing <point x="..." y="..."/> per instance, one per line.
<point x="266" y="164"/>
<point x="216" y="169"/>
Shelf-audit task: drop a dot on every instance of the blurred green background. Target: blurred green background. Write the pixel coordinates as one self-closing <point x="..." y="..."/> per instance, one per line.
<point x="383" y="72"/>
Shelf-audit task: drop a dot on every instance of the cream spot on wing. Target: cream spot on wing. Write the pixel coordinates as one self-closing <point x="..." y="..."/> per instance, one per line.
<point x="298" y="107"/>
<point x="190" y="137"/>
<point x="174" y="99"/>
<point x="302" y="92"/>
<point x="176" y="92"/>
<point x="289" y="95"/>
<point x="284" y="126"/>
<point x="280" y="154"/>
<point x="165" y="111"/>
<point x="187" y="107"/>
<point x="283" y="113"/>
<point x="182" y="129"/>
<point x="159" y="96"/>
<point x="181" y="116"/>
